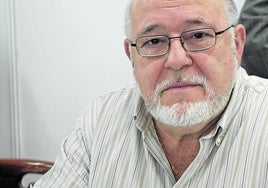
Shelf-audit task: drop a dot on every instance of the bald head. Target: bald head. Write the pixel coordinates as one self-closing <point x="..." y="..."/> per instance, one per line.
<point x="230" y="8"/>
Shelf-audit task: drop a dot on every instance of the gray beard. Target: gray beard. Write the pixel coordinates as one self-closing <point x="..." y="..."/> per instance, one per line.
<point x="188" y="113"/>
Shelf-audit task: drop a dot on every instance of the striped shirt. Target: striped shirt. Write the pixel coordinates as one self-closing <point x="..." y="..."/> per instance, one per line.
<point x="115" y="146"/>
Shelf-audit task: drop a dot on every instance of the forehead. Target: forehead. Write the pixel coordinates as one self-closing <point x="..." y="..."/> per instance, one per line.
<point x="147" y="13"/>
<point x="174" y="3"/>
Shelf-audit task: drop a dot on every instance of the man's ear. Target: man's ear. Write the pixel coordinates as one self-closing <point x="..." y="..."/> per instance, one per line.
<point x="128" y="52"/>
<point x="240" y="39"/>
<point x="127" y="48"/>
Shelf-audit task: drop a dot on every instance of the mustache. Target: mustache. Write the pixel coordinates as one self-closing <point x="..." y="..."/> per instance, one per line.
<point x="198" y="80"/>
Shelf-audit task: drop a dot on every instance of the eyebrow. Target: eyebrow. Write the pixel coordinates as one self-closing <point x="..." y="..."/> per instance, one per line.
<point x="196" y="22"/>
<point x="149" y="29"/>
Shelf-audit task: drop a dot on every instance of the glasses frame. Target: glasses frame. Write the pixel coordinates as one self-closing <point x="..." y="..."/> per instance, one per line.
<point x="181" y="41"/>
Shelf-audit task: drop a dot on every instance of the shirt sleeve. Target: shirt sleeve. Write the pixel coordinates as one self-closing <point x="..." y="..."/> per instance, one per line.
<point x="71" y="168"/>
<point x="254" y="17"/>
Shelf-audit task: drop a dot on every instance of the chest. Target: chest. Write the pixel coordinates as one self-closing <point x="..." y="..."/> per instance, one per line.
<point x="132" y="160"/>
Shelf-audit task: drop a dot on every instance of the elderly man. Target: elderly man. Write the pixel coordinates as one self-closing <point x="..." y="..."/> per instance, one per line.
<point x="195" y="118"/>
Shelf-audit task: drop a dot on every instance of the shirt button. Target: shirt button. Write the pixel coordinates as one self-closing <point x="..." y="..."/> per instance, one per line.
<point x="218" y="141"/>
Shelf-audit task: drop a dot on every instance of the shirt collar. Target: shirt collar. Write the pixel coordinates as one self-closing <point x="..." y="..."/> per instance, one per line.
<point x="143" y="118"/>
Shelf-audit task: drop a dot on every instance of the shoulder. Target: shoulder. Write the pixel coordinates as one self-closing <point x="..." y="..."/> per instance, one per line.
<point x="253" y="84"/>
<point x="110" y="101"/>
<point x="119" y="104"/>
<point x="247" y="110"/>
<point x="249" y="99"/>
<point x="120" y="94"/>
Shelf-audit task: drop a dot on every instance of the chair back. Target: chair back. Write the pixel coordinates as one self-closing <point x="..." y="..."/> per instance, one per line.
<point x="13" y="170"/>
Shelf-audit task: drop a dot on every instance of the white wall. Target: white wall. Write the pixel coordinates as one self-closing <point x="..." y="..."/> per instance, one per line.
<point x="68" y="53"/>
<point x="5" y="106"/>
<point x="8" y="88"/>
<point x="63" y="54"/>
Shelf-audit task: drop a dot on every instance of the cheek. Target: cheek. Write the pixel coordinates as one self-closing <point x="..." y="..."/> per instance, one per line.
<point x="147" y="75"/>
<point x="219" y="72"/>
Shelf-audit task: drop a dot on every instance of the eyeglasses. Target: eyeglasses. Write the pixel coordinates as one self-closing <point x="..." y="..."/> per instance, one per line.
<point x="192" y="40"/>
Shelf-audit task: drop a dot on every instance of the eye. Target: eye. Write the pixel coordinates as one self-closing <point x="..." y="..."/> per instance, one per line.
<point x="199" y="35"/>
<point x="151" y="42"/>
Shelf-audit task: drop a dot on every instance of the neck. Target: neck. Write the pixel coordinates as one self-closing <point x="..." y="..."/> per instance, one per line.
<point x="181" y="144"/>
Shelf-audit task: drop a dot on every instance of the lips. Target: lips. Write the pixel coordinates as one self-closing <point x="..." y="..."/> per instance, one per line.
<point x="180" y="85"/>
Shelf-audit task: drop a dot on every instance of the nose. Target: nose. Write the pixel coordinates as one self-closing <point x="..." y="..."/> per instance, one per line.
<point x="177" y="57"/>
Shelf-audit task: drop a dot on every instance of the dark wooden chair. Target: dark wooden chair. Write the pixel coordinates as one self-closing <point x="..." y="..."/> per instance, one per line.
<point x="13" y="170"/>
